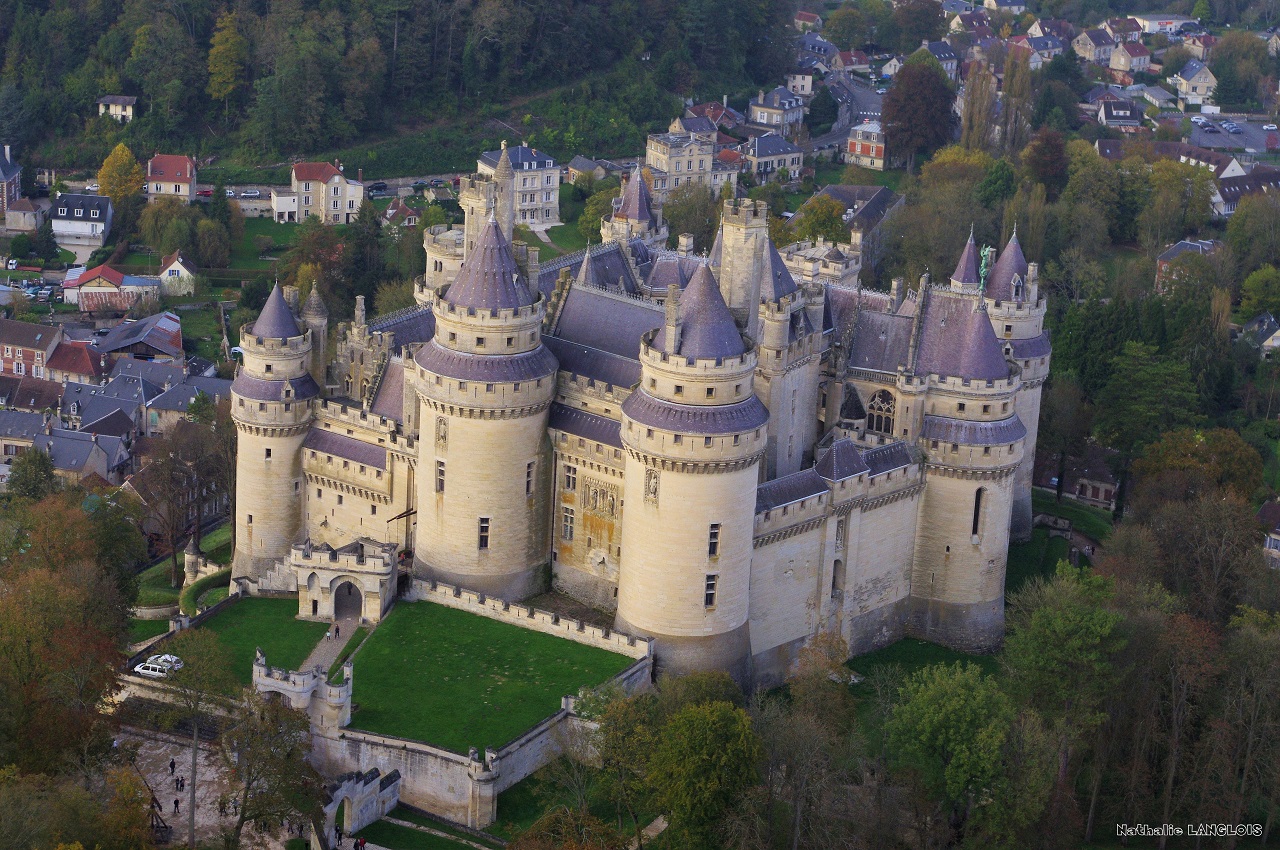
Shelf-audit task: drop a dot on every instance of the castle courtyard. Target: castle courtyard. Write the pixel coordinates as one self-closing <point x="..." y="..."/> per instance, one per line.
<point x="271" y="624"/>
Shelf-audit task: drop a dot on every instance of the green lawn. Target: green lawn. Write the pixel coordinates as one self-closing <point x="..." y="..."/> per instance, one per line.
<point x="529" y="799"/>
<point x="570" y="206"/>
<point x="1040" y="557"/>
<point x="153" y="586"/>
<point x="1086" y="519"/>
<point x="216" y="545"/>
<point x="335" y="669"/>
<point x="396" y="837"/>
<point x="413" y="817"/>
<point x="458" y="680"/>
<point x="140" y="630"/>
<point x="202" y="328"/>
<point x="567" y="238"/>
<point x="244" y="254"/>
<point x="267" y="623"/>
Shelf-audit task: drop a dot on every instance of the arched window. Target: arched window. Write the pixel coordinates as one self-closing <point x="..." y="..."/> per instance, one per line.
<point x="977" y="511"/>
<point x="880" y="412"/>
<point x="1017" y="287"/>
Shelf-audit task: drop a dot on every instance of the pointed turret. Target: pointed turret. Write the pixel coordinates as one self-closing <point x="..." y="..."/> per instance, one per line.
<point x="1007" y="280"/>
<point x="635" y="199"/>
<point x="707" y="329"/>
<point x="314" y="307"/>
<point x="276" y="319"/>
<point x="504" y="180"/>
<point x="966" y="274"/>
<point x="717" y="247"/>
<point x="489" y="279"/>
<point x="776" y="281"/>
<point x="586" y="272"/>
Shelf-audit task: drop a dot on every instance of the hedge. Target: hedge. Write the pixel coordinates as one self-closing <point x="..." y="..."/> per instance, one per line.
<point x="192" y="593"/>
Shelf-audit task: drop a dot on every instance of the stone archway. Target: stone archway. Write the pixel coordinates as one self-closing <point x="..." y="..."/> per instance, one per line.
<point x="348" y="602"/>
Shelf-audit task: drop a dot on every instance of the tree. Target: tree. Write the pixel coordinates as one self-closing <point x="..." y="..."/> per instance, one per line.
<point x="1253" y="232"/>
<point x="690" y="208"/>
<point x="821" y="216"/>
<point x="228" y="51"/>
<point x="1190" y="461"/>
<point x="917" y="111"/>
<point x="977" y="123"/>
<point x="1066" y="419"/>
<point x="204" y="682"/>
<point x="1015" y="117"/>
<point x="265" y="751"/>
<point x="1261" y="291"/>
<point x="1202" y="11"/>
<point x="597" y="207"/>
<point x="624" y="741"/>
<point x="122" y="180"/>
<point x="213" y="245"/>
<point x="917" y="21"/>
<point x="1046" y="161"/>
<point x="846" y="27"/>
<point x="823" y="112"/>
<point x="44" y="245"/>
<point x="704" y="758"/>
<point x="393" y="295"/>
<point x="563" y="828"/>
<point x="31" y="476"/>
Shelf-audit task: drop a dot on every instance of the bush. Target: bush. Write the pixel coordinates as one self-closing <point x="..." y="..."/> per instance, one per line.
<point x="20" y="247"/>
<point x="191" y="593"/>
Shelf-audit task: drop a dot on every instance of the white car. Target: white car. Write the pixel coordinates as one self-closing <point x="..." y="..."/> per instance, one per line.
<point x="251" y="193"/>
<point x="231" y="193"/>
<point x="13" y="264"/>
<point x="1269" y="127"/>
<point x="158" y="666"/>
<point x="92" y="187"/>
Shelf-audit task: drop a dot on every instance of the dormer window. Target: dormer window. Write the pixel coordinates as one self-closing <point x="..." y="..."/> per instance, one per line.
<point x="93" y="214"/>
<point x="79" y="213"/>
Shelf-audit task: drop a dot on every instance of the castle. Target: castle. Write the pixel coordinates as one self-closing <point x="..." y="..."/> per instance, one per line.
<point x="729" y="462"/>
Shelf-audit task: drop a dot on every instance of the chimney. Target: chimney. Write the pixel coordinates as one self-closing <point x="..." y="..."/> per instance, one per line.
<point x="685" y="246"/>
<point x="359" y="175"/>
<point x="360" y="310"/>
<point x="724" y="101"/>
<point x="673" y="319"/>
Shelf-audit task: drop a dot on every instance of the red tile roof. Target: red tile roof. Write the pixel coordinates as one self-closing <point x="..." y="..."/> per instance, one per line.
<point x="78" y="358"/>
<point x="174" y="257"/>
<point x="320" y="172"/>
<point x="104" y="272"/>
<point x="117" y="302"/>
<point x="807" y="17"/>
<point x="173" y="168"/>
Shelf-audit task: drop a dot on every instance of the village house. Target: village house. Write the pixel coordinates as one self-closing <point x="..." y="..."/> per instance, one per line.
<point x="1166" y="265"/>
<point x="320" y="189"/>
<point x="778" y="110"/>
<point x="1263" y="333"/>
<point x="681" y="156"/>
<point x="23" y="216"/>
<point x="26" y="347"/>
<point x="118" y="106"/>
<point x="177" y="275"/>
<point x="1131" y="57"/>
<point x="171" y="176"/>
<point x="1094" y="46"/>
<point x="720" y="114"/>
<point x="1122" y="115"/>
<point x="1269" y="517"/>
<point x="807" y="22"/>
<point x="79" y="361"/>
<point x="812" y="47"/>
<point x="81" y="220"/>
<point x="1059" y="29"/>
<point x="77" y="456"/>
<point x="946" y="57"/>
<point x="537" y="183"/>
<point x="10" y="183"/>
<point x="769" y="154"/>
<point x="1122" y="30"/>
<point x="1194" y="83"/>
<point x="1230" y="191"/>
<point x="1087" y="479"/>
<point x="865" y="146"/>
<point x="852" y="60"/>
<point x="103" y="289"/>
<point x="1009" y="7"/>
<point x="800" y="81"/>
<point x="1200" y="46"/>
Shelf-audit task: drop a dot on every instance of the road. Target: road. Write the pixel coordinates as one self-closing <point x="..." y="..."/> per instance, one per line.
<point x="858" y="102"/>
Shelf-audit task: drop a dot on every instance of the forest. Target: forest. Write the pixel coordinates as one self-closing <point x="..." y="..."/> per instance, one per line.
<point x="261" y="80"/>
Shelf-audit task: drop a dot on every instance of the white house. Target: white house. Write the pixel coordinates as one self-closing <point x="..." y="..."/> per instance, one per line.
<point x="81" y="220"/>
<point x="177" y="275"/>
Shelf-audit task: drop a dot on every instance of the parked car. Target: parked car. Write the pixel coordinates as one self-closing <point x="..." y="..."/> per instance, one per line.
<point x="881" y="91"/>
<point x="92" y="187"/>
<point x="374" y="196"/>
<point x="13" y="263"/>
<point x="204" y="193"/>
<point x="1209" y="128"/>
<point x="1269" y="127"/>
<point x="437" y="183"/>
<point x="151" y="671"/>
<point x="1235" y="128"/>
<point x="231" y="193"/>
<point x="419" y="185"/>
<point x="380" y="186"/>
<point x="251" y="193"/>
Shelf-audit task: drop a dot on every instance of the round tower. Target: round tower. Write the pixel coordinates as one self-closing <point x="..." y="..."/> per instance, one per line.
<point x="634" y="216"/>
<point x="485" y="382"/>
<point x="316" y="317"/>
<point x="271" y="405"/>
<point x="504" y="182"/>
<point x="694" y="434"/>
<point x="1017" y="316"/>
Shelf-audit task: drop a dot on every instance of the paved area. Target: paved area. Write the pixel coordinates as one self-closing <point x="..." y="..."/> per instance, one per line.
<point x="329" y="648"/>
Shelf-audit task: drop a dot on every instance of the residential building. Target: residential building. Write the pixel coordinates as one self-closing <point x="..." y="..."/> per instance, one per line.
<point x="1123" y="115"/>
<point x="769" y="154"/>
<point x="807" y="22"/>
<point x="891" y="67"/>
<point x="1122" y="30"/>
<point x="852" y="60"/>
<point x="78" y="361"/>
<point x="103" y="289"/>
<point x="679" y="157"/>
<point x="1166" y="265"/>
<point x="77" y="455"/>
<point x="399" y="214"/>
<point x="1009" y="7"/>
<point x="1194" y="84"/>
<point x="10" y="182"/>
<point x="1059" y="29"/>
<point x="177" y="275"/>
<point x="1131" y="57"/>
<point x="1200" y="46"/>
<point x="81" y="220"/>
<point x="1231" y="190"/>
<point x="1086" y="479"/>
<point x="946" y="57"/>
<point x="865" y="146"/>
<point x="800" y="81"/>
<point x="1263" y="333"/>
<point x="812" y="47"/>
<point x="581" y="166"/>
<point x="26" y="347"/>
<point x="537" y="183"/>
<point x="1222" y="164"/>
<point x="970" y="21"/>
<point x="866" y="208"/>
<point x="157" y="337"/>
<point x="171" y="176"/>
<point x="320" y="189"/>
<point x="1269" y="518"/>
<point x="1094" y="46"/>
<point x="1168" y="24"/>
<point x="720" y="113"/>
<point x="118" y="106"/>
<point x="23" y="216"/>
<point x="778" y="110"/>
<point x="1273" y="44"/>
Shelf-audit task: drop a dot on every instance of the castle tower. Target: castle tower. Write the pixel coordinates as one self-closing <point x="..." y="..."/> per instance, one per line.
<point x="973" y="442"/>
<point x="316" y="317"/>
<point x="1017" y="316"/>
<point x="739" y="249"/>
<point x="485" y="383"/>
<point x="787" y="378"/>
<point x="634" y="215"/>
<point x="504" y="181"/>
<point x="694" y="433"/>
<point x="271" y="405"/>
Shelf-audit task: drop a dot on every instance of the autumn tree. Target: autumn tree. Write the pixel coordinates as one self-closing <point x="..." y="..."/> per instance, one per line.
<point x="1045" y="159"/>
<point x="846" y="27"/>
<point x="625" y="740"/>
<point x="597" y="207"/>
<point x="977" y="122"/>
<point x="122" y="180"/>
<point x="31" y="476"/>
<point x="917" y="109"/>
<point x="1261" y="292"/>
<point x="822" y="216"/>
<point x="691" y="208"/>
<point x="1190" y="461"/>
<point x="1066" y="419"/>
<point x="1253" y="232"/>
<point x="213" y="245"/>
<point x="228" y="51"/>
<point x="1015" y="115"/>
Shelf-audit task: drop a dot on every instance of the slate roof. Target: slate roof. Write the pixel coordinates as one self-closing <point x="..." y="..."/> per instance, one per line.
<point x="489" y="278"/>
<point x="1027" y="349"/>
<point x="776" y="281"/>
<point x="180" y="396"/>
<point x="314" y="307"/>
<point x="842" y="460"/>
<point x="486" y="368"/>
<point x="881" y="341"/>
<point x="1260" y="328"/>
<point x="1232" y="189"/>
<point x="869" y="203"/>
<point x="957" y="340"/>
<point x="1189" y="70"/>
<point x="1011" y="264"/>
<point x="259" y="389"/>
<point x="321" y="441"/>
<point x="1194" y="246"/>
<point x="118" y="100"/>
<point x="116" y="423"/>
<point x="26" y="334"/>
<point x="1099" y="38"/>
<point x="162" y="332"/>
<point x="940" y="50"/>
<point x="885" y="458"/>
<point x="276" y="319"/>
<point x="19" y="424"/>
<point x="1120" y="112"/>
<point x="64" y="207"/>
<point x="707" y="328"/>
<point x="1269" y="516"/>
<point x="970" y="433"/>
<point x="156" y="372"/>
<point x="967" y="268"/>
<point x="582" y="163"/>
<point x="71" y="450"/>
<point x="635" y="196"/>
<point x="605" y="368"/>
<point x="611" y="323"/>
<point x="8" y="169"/>
<point x="769" y="144"/>
<point x="389" y="401"/>
<point x="410" y="325"/>
<point x="589" y="426"/>
<point x="90" y="402"/>
<point x="520" y="156"/>
<point x="741" y="416"/>
<point x="789" y="489"/>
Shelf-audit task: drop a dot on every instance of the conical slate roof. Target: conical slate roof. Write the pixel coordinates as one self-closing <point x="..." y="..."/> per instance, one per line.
<point x="1012" y="264"/>
<point x="635" y="199"/>
<point x="489" y="278"/>
<point x="967" y="269"/>
<point x="586" y="271"/>
<point x="314" y="308"/>
<point x="707" y="329"/>
<point x="717" y="247"/>
<point x="776" y="281"/>
<point x="504" y="169"/>
<point x="276" y="319"/>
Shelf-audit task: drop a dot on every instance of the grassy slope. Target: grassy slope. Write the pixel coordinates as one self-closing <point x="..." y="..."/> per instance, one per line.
<point x="1040" y="557"/>
<point x="266" y="623"/>
<point x="216" y="545"/>
<point x="396" y="837"/>
<point x="140" y="630"/>
<point x="153" y="586"/>
<point x="1086" y="519"/>
<point x="458" y="680"/>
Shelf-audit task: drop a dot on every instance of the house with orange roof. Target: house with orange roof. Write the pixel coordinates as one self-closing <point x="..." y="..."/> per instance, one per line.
<point x="171" y="176"/>
<point x="807" y="22"/>
<point x="104" y="289"/>
<point x="320" y="189"/>
<point x="79" y="361"/>
<point x="177" y="275"/>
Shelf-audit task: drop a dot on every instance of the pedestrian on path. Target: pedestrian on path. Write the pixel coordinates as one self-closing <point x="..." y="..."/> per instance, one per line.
<point x="176" y="803"/>
<point x="328" y="635"/>
<point x="173" y="765"/>
<point x="337" y="632"/>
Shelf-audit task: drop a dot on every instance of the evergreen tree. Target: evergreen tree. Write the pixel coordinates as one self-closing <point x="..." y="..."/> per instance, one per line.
<point x="43" y="244"/>
<point x="31" y="476"/>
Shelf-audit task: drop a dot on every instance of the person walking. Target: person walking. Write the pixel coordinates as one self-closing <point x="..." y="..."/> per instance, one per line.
<point x="176" y="803"/>
<point x="337" y="632"/>
<point x="328" y="635"/>
<point x="173" y="765"/>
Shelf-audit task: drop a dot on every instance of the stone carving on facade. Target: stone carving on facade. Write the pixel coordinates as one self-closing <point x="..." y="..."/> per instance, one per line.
<point x="651" y="486"/>
<point x="600" y="498"/>
<point x="442" y="431"/>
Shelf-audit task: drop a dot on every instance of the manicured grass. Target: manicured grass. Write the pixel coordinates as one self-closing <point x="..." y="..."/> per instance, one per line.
<point x="193" y="593"/>
<point x="401" y="813"/>
<point x="567" y="238"/>
<point x="212" y="597"/>
<point x="140" y="630"/>
<point x="201" y="329"/>
<point x="267" y="623"/>
<point x="458" y="680"/>
<point x="1086" y="519"/>
<point x="529" y="799"/>
<point x="216" y="545"/>
<point x="335" y="670"/>
<point x="244" y="254"/>
<point x="1039" y="557"/>
<point x="153" y="586"/>
<point x="396" y="837"/>
<point x="912" y="654"/>
<point x="570" y="206"/>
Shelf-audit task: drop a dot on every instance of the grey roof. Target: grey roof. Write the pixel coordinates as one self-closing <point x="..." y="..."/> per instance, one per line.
<point x="258" y="389"/>
<point x="1099" y="38"/>
<point x="389" y="401"/>
<point x="1012" y="264"/>
<point x="117" y="423"/>
<point x="1197" y="246"/>
<point x="612" y="323"/>
<point x="869" y="203"/>
<point x="157" y="372"/>
<point x="1025" y="349"/>
<point x="851" y="408"/>
<point x="314" y="307"/>
<point x="163" y="332"/>
<point x="589" y="426"/>
<point x="788" y="489"/>
<point x="970" y="433"/>
<point x="64" y="207"/>
<point x="410" y="325"/>
<point x="635" y="197"/>
<point x="957" y="340"/>
<point x="1189" y="70"/>
<point x="8" y="168"/>
<point x="489" y="279"/>
<point x="16" y="423"/>
<point x="276" y="319"/>
<point x="815" y="43"/>
<point x="486" y="368"/>
<point x="770" y="144"/>
<point x="1232" y="189"/>
<point x="696" y="419"/>
<point x="884" y="458"/>
<point x="667" y="268"/>
<point x="582" y="163"/>
<point x="1260" y="328"/>
<point x="180" y="396"/>
<point x="842" y="460"/>
<point x="91" y="402"/>
<point x="118" y="99"/>
<point x="71" y="450"/>
<point x="599" y="366"/>
<point x="940" y="50"/>
<point x="881" y="341"/>
<point x="776" y="281"/>
<point x="967" y="268"/>
<point x="320" y="440"/>
<point x="520" y="155"/>
<point x="27" y="334"/>
<point x="707" y="329"/>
